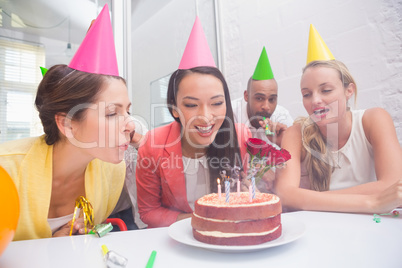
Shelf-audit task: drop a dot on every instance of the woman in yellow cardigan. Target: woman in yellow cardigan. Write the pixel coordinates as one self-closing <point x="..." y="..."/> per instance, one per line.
<point x="84" y="109"/>
<point x="84" y="117"/>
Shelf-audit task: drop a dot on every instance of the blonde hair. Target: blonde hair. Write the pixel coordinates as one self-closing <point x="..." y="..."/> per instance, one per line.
<point x="317" y="156"/>
<point x="344" y="74"/>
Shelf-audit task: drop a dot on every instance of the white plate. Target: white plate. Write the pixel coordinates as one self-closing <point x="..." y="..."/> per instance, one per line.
<point x="292" y="229"/>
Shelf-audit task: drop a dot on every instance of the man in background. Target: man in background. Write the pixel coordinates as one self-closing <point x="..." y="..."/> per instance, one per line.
<point x="260" y="110"/>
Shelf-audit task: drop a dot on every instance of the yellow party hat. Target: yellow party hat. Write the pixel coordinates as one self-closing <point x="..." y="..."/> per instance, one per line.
<point x="317" y="49"/>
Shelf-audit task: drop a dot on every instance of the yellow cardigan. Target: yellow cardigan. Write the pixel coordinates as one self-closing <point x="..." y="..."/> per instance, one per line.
<point x="29" y="163"/>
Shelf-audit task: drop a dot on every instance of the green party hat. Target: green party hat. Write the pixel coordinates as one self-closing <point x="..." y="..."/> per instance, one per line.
<point x="263" y="69"/>
<point x="43" y="70"/>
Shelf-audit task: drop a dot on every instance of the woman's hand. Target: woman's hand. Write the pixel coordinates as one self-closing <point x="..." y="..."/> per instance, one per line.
<point x="92" y="22"/>
<point x="78" y="229"/>
<point x="388" y="199"/>
<point x="245" y="183"/>
<point x="183" y="216"/>
<point x="136" y="139"/>
<point x="267" y="181"/>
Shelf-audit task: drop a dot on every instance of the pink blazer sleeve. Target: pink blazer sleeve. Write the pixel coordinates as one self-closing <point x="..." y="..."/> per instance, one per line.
<point x="149" y="189"/>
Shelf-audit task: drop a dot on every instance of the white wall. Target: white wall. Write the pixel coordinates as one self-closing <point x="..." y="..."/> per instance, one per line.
<point x="365" y="35"/>
<point x="159" y="43"/>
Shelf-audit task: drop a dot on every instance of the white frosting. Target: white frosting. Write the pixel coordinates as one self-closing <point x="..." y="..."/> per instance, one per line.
<point x="224" y="221"/>
<point x="228" y="235"/>
<point x="56" y="223"/>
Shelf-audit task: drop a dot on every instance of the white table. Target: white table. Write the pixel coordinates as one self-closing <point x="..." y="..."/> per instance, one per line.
<point x="330" y="240"/>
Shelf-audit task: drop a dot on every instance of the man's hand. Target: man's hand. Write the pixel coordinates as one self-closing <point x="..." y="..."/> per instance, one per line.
<point x="276" y="127"/>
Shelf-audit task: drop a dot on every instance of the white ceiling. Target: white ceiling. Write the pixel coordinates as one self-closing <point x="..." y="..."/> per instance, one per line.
<point x="51" y="18"/>
<point x="142" y="10"/>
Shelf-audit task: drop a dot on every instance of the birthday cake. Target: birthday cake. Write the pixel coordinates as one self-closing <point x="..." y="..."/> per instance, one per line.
<point x="239" y="221"/>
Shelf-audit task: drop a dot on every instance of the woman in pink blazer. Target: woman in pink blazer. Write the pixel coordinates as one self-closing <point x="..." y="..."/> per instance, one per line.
<point x="203" y="133"/>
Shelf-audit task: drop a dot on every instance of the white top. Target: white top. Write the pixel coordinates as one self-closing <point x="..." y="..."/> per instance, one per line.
<point x="196" y="172"/>
<point x="56" y="223"/>
<point x="280" y="115"/>
<point x="128" y="197"/>
<point x="354" y="162"/>
<point x="355" y="159"/>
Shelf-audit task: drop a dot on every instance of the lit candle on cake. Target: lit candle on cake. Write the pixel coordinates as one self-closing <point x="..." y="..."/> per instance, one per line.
<point x="253" y="186"/>
<point x="238" y="187"/>
<point x="227" y="190"/>
<point x="218" y="181"/>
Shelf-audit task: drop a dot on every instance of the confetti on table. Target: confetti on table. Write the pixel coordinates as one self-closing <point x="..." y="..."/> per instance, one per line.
<point x="377" y="217"/>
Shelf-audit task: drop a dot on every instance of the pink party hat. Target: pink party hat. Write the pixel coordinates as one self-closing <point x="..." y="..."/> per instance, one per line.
<point x="97" y="53"/>
<point x="197" y="52"/>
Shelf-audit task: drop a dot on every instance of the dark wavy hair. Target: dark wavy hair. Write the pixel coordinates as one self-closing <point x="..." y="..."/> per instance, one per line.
<point x="225" y="145"/>
<point x="62" y="89"/>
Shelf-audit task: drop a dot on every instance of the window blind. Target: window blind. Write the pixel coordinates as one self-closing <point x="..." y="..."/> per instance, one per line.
<point x="19" y="79"/>
<point x="160" y="114"/>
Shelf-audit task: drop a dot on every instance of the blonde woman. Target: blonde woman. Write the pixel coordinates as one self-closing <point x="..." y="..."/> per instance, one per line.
<point x="342" y="160"/>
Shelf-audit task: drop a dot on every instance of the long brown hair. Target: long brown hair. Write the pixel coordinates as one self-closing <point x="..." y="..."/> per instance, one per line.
<point x="317" y="156"/>
<point x="226" y="133"/>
